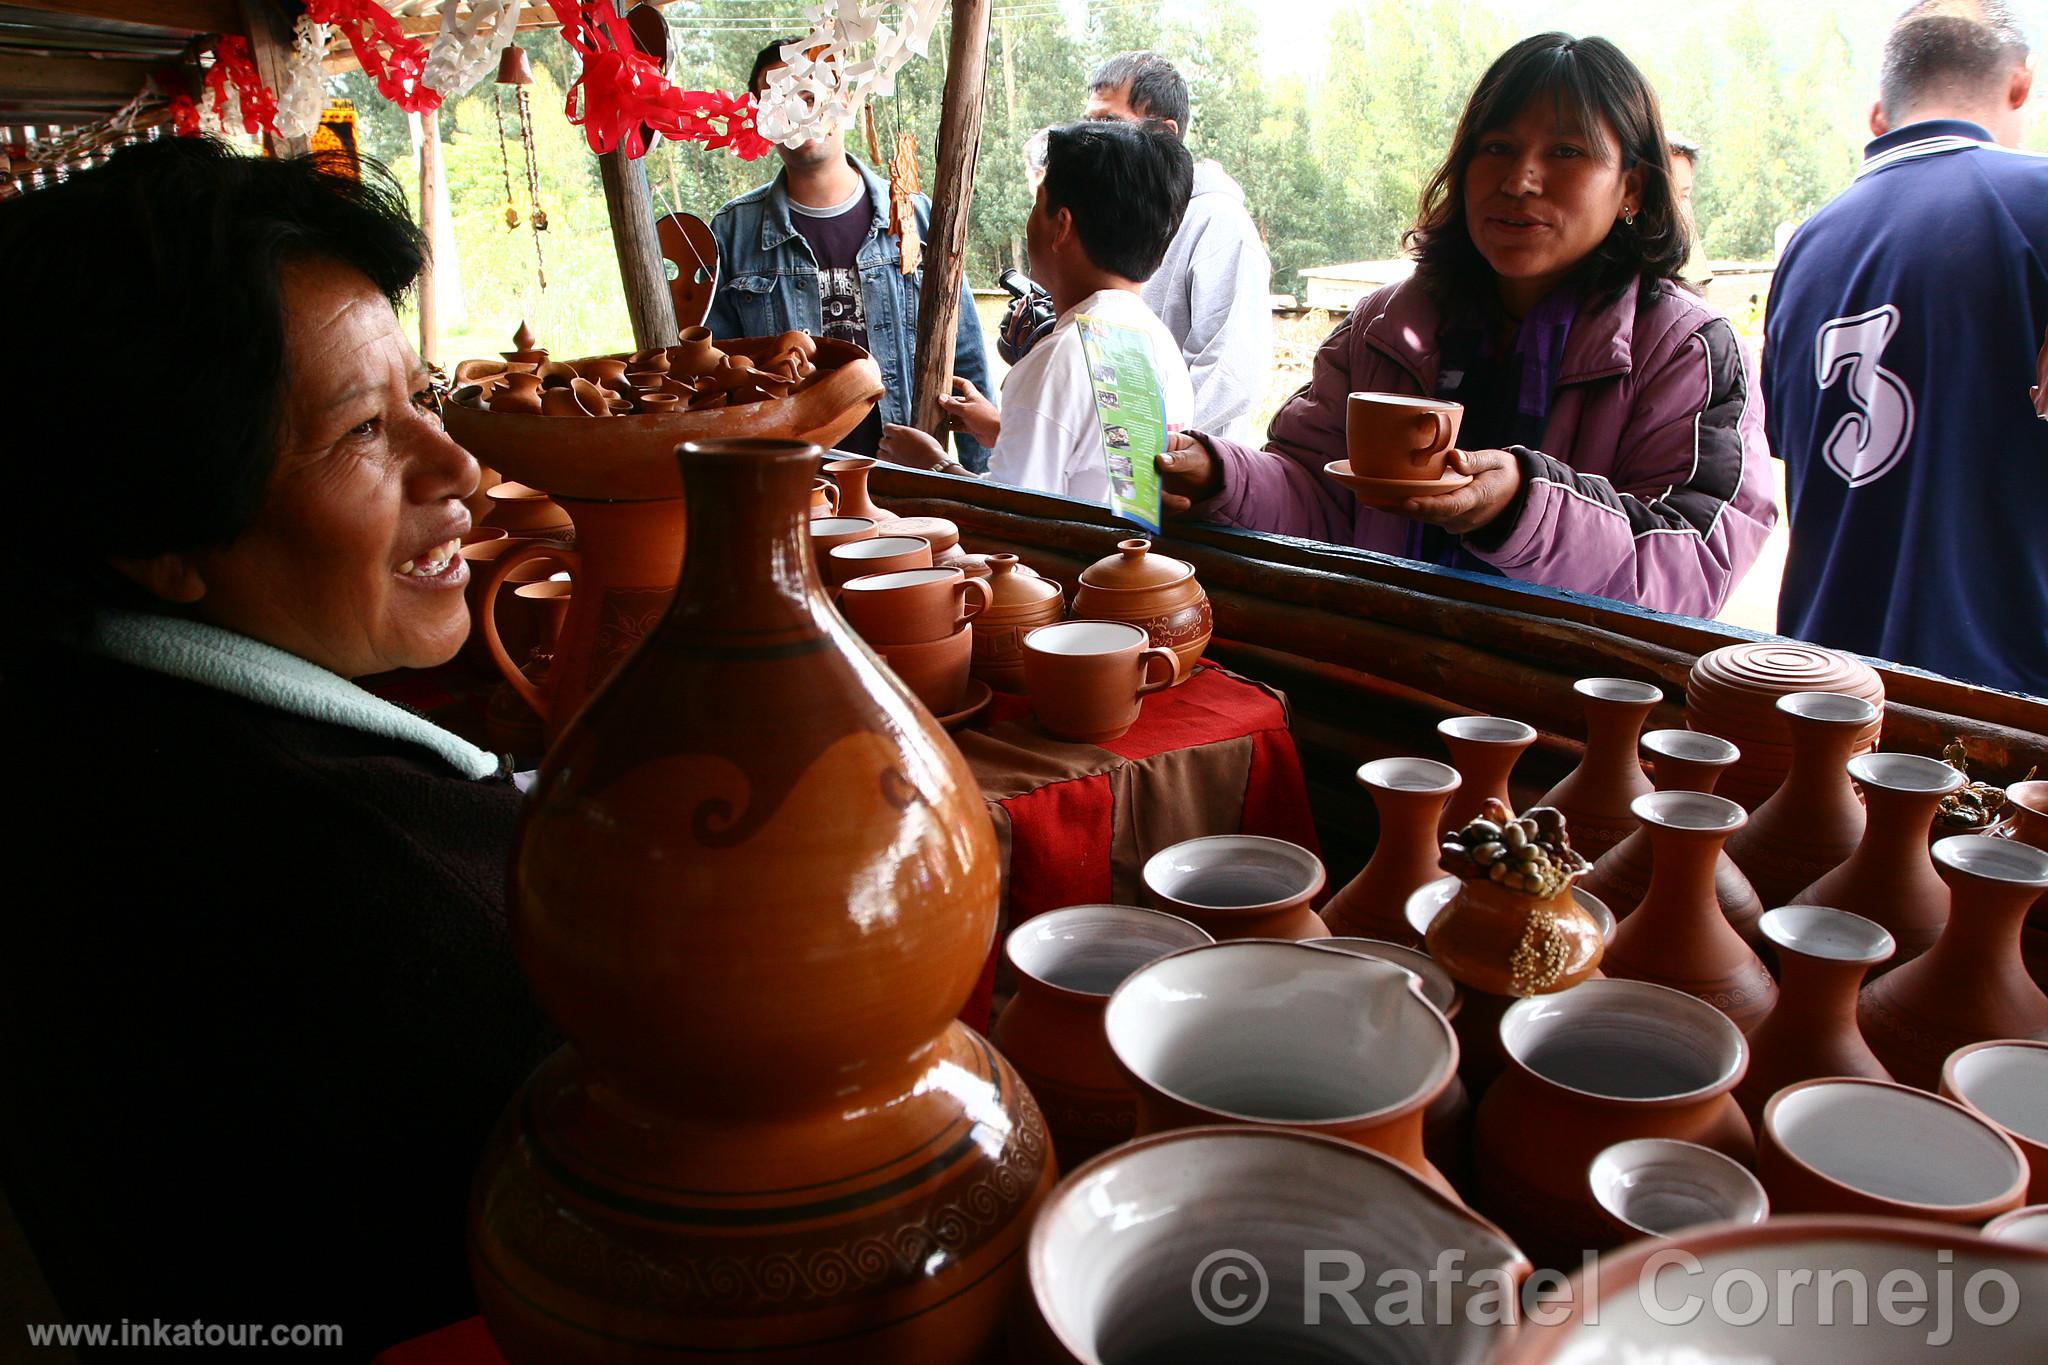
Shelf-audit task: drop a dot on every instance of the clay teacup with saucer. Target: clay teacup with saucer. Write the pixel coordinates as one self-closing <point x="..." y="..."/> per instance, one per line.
<point x="1398" y="447"/>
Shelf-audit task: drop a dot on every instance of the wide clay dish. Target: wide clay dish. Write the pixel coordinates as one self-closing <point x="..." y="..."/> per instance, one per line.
<point x="632" y="457"/>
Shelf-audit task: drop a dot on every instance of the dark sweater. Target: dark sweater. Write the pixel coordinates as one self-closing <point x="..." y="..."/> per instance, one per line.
<point x="258" y="1007"/>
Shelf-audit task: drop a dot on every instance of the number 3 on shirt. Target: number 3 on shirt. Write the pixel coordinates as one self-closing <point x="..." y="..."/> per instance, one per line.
<point x="1870" y="439"/>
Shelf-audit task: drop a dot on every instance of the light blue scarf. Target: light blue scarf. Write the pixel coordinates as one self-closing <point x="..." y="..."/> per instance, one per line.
<point x="261" y="673"/>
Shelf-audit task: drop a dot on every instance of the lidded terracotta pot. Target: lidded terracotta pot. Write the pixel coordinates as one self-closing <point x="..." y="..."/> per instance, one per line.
<point x="1813" y="822"/>
<point x="1595" y="796"/>
<point x="1409" y="794"/>
<point x="1118" y="1246"/>
<point x="1239" y="886"/>
<point x="1878" y="1148"/>
<point x="755" y="922"/>
<point x="1484" y="750"/>
<point x="1598" y="1064"/>
<point x="1154" y="592"/>
<point x="1733" y="692"/>
<point x="1971" y="985"/>
<point x="1678" y="936"/>
<point x="1811" y="1031"/>
<point x="1067" y="964"/>
<point x="1288" y="1036"/>
<point x="1890" y="878"/>
<point x="2006" y="1082"/>
<point x="1680" y="760"/>
<point x="1019" y="603"/>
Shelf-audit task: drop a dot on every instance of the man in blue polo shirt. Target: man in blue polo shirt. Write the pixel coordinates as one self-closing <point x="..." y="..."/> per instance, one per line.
<point x="1900" y="346"/>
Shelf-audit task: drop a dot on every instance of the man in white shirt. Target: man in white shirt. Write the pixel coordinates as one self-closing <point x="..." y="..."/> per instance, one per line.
<point x="1112" y="197"/>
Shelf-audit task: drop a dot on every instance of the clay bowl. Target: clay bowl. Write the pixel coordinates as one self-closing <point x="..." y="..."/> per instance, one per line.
<point x="1841" y="1145"/>
<point x="1655" y="1187"/>
<point x="2025" y="1226"/>
<point x="632" y="458"/>
<point x="1621" y="1310"/>
<point x="1239" y="886"/>
<point x="2006" y="1083"/>
<point x="1437" y="986"/>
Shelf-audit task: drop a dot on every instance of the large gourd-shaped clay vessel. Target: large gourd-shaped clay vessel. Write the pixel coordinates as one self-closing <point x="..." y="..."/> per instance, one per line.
<point x="1812" y="823"/>
<point x="1890" y="878"/>
<point x="1680" y="761"/>
<point x="753" y="886"/>
<point x="1595" y="796"/>
<point x="1971" y="985"/>
<point x="1409" y="794"/>
<point x="1811" y="1031"/>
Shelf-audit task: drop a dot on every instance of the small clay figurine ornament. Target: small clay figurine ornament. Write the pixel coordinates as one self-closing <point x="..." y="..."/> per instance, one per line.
<point x="1514" y="927"/>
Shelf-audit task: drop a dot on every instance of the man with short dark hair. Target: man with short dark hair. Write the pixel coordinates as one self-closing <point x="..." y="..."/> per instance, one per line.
<point x="811" y="251"/>
<point x="1903" y="325"/>
<point x="1212" y="289"/>
<point x="1112" y="197"/>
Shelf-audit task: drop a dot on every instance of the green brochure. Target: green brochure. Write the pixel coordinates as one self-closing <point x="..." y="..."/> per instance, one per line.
<point x="1132" y="413"/>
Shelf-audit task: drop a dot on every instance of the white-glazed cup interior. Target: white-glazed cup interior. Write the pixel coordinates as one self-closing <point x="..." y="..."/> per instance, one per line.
<point x="1409" y="775"/>
<point x="1904" y="772"/>
<point x="1486" y="730"/>
<point x="1692" y="746"/>
<point x="1092" y="949"/>
<point x="1998" y="860"/>
<point x="1085" y="637"/>
<point x="2025" y="1227"/>
<point x="2009" y="1083"/>
<point x="1834" y="708"/>
<point x="1659" y="1186"/>
<point x="839" y="526"/>
<point x="1625" y="1040"/>
<point x="1698" y="811"/>
<point x="1894" y="1143"/>
<point x="1823" y="932"/>
<point x="880" y="547"/>
<point x="1619" y="689"/>
<point x="899" y="578"/>
<point x="1233" y="872"/>
<point x="1273" y="1032"/>
<point x="1437" y="986"/>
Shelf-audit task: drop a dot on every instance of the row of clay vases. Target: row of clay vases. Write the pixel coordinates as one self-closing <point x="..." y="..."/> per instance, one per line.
<point x="1681" y="761"/>
<point x="1814" y="821"/>
<point x="1971" y="985"/>
<point x="1678" y="936"/>
<point x="1483" y="750"/>
<point x="753" y="886"/>
<point x="1811" y="1031"/>
<point x="1409" y="794"/>
<point x="1596" y="796"/>
<point x="1890" y="878"/>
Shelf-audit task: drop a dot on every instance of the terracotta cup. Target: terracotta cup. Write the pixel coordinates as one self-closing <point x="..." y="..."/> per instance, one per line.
<point x="1398" y="436"/>
<point x="827" y="532"/>
<point x="935" y="671"/>
<point x="1239" y="886"/>
<point x="911" y="606"/>
<point x="1067" y="964"/>
<point x="1087" y="679"/>
<point x="1841" y="1145"/>
<point x="876" y="554"/>
<point x="1654" y="1187"/>
<point x="2006" y="1081"/>
<point x="1284" y="1035"/>
<point x="1118" y="1246"/>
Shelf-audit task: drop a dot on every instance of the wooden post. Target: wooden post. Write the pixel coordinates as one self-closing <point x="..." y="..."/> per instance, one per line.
<point x="430" y="228"/>
<point x="1010" y="122"/>
<point x="945" y="248"/>
<point x="631" y="206"/>
<point x="270" y="43"/>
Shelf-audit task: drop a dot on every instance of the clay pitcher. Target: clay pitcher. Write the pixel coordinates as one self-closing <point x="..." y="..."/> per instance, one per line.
<point x="753" y="886"/>
<point x="1598" y="1064"/>
<point x="1483" y="750"/>
<point x="1971" y="985"/>
<point x="1680" y="761"/>
<point x="1812" y="823"/>
<point x="1067" y="964"/>
<point x="624" y="569"/>
<point x="1678" y="937"/>
<point x="1409" y="794"/>
<point x="850" y="473"/>
<point x="1811" y="1031"/>
<point x="1595" y="796"/>
<point x="1890" y="878"/>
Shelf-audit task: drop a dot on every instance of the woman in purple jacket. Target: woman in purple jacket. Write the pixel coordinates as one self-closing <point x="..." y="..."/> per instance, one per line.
<point x="1615" y="441"/>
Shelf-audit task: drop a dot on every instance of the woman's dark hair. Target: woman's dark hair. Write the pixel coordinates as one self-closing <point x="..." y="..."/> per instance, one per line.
<point x="147" y="295"/>
<point x="1127" y="185"/>
<point x="1590" y="79"/>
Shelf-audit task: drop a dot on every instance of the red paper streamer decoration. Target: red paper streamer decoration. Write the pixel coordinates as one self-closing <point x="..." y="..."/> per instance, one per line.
<point x="232" y="62"/>
<point x="184" y="116"/>
<point x="621" y="91"/>
<point x="390" y="58"/>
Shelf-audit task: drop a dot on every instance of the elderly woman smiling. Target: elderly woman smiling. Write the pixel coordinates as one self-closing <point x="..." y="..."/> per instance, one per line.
<point x="260" y="1004"/>
<point x="1614" y="441"/>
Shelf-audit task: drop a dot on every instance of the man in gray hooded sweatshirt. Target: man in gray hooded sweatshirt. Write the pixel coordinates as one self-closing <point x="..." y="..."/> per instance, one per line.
<point x="1212" y="289"/>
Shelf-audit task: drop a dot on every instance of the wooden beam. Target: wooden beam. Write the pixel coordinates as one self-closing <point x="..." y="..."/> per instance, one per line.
<point x="189" y="16"/>
<point x="641" y="272"/>
<point x="945" y="250"/>
<point x="76" y="79"/>
<point x="430" y="227"/>
<point x="270" y="44"/>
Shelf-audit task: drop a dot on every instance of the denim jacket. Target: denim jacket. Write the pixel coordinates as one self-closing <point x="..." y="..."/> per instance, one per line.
<point x="769" y="284"/>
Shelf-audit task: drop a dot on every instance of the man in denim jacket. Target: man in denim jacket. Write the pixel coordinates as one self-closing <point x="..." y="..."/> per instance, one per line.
<point x="810" y="251"/>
